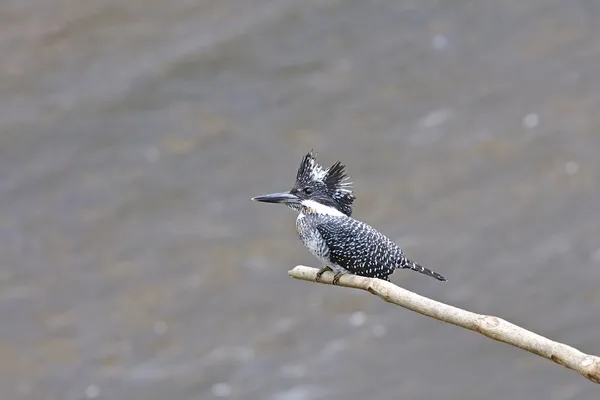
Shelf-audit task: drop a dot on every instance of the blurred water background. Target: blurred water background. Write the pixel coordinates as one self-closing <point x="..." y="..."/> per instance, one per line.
<point x="133" y="264"/>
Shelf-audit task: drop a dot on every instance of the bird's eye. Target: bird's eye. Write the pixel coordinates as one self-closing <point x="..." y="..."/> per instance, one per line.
<point x="307" y="190"/>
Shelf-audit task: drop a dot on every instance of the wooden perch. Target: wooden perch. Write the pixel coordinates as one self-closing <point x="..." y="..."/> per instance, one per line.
<point x="492" y="327"/>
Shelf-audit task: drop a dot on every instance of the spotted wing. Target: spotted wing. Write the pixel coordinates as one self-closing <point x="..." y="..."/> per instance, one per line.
<point x="359" y="248"/>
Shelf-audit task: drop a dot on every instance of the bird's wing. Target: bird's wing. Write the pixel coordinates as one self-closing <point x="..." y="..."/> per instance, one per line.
<point x="359" y="248"/>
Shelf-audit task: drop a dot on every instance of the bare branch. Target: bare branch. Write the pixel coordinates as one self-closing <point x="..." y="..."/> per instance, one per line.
<point x="492" y="327"/>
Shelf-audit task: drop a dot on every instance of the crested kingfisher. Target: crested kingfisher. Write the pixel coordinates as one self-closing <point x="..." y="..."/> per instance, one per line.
<point x="323" y="199"/>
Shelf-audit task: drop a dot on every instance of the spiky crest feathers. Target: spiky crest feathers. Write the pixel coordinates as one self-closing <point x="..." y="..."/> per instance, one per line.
<point x="333" y="181"/>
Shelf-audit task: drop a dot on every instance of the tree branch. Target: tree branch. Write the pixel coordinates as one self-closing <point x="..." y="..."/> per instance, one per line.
<point x="492" y="327"/>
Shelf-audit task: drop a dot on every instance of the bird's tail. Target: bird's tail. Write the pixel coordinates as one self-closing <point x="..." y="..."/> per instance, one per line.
<point x="419" y="268"/>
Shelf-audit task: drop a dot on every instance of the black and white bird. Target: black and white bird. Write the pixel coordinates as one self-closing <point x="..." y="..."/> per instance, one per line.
<point x="323" y="199"/>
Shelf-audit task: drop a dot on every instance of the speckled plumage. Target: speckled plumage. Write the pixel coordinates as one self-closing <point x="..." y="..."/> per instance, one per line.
<point x="323" y="199"/>
<point x="347" y="245"/>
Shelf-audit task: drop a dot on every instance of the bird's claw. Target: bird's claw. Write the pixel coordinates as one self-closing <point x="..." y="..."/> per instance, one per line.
<point x="320" y="273"/>
<point x="336" y="278"/>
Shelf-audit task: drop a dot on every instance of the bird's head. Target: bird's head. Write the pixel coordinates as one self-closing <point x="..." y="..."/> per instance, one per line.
<point x="317" y="186"/>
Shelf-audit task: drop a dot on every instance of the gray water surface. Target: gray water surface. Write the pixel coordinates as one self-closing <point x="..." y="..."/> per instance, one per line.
<point x="133" y="134"/>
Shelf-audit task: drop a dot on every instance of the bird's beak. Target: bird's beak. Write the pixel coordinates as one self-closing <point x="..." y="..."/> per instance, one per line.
<point x="284" y="198"/>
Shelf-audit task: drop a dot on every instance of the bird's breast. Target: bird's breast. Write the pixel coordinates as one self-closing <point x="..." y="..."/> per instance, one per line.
<point x="311" y="237"/>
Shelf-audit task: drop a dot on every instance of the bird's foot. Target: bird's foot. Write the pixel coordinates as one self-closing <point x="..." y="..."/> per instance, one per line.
<point x="337" y="276"/>
<point x="321" y="271"/>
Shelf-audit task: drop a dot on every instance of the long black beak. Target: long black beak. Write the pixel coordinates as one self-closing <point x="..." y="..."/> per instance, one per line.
<point x="277" y="198"/>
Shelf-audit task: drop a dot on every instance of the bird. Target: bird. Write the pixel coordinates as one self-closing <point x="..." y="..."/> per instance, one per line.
<point x="323" y="199"/>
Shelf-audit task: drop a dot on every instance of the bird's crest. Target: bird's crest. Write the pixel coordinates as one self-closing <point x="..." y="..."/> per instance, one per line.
<point x="332" y="182"/>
